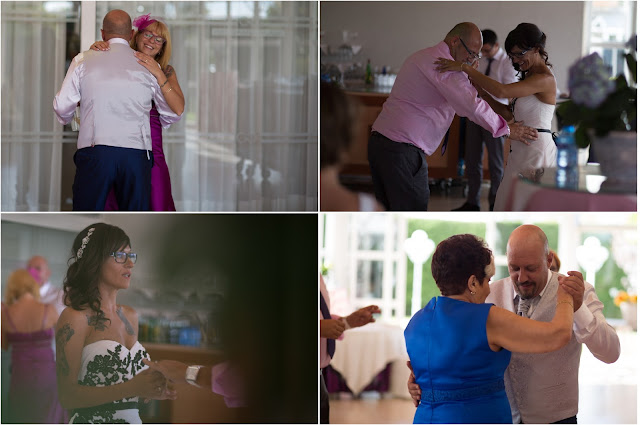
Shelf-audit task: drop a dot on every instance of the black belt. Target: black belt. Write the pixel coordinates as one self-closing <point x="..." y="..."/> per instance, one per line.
<point x="107" y="406"/>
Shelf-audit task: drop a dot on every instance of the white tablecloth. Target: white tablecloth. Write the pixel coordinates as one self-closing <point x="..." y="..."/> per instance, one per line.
<point x="364" y="352"/>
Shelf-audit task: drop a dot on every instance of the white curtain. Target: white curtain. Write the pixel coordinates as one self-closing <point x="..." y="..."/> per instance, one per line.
<point x="35" y="37"/>
<point x="248" y="139"/>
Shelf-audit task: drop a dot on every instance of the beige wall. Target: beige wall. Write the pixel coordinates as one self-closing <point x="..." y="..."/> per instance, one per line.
<point x="391" y="31"/>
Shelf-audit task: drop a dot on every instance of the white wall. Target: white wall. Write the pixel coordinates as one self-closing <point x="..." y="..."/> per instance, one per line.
<point x="391" y="31"/>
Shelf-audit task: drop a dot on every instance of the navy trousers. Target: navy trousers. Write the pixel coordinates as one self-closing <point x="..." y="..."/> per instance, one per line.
<point x="99" y="168"/>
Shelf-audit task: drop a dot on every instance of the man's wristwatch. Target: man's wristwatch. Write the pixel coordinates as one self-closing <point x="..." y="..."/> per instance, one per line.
<point x="192" y="374"/>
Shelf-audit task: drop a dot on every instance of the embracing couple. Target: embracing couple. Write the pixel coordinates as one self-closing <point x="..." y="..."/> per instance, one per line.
<point x="127" y="93"/>
<point x="438" y="82"/>
<point x="506" y="352"/>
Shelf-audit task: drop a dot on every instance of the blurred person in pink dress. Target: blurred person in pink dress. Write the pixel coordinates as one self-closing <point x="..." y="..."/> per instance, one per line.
<point x="27" y="328"/>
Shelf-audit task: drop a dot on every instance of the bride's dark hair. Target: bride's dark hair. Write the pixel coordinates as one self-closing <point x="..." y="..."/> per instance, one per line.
<point x="91" y="247"/>
<point x="527" y="36"/>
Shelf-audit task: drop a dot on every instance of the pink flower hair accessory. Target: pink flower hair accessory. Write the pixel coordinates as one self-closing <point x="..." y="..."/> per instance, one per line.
<point x="141" y="22"/>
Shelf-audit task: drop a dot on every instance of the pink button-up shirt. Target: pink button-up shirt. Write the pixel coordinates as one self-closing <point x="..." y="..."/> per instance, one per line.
<point x="423" y="101"/>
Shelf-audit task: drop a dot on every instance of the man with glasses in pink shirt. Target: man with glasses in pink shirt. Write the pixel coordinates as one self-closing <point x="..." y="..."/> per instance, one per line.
<point x="418" y="113"/>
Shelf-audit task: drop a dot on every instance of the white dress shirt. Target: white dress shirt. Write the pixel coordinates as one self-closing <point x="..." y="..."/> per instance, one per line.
<point x="115" y="94"/>
<point x="53" y="295"/>
<point x="502" y="70"/>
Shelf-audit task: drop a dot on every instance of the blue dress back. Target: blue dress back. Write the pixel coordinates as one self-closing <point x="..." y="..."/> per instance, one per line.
<point x="461" y="378"/>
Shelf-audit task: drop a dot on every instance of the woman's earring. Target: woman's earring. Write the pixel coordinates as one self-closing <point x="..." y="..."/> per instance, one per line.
<point x="472" y="293"/>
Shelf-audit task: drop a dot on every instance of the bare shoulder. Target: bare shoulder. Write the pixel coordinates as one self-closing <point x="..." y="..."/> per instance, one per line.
<point x="130" y="313"/>
<point x="71" y="323"/>
<point x="72" y="317"/>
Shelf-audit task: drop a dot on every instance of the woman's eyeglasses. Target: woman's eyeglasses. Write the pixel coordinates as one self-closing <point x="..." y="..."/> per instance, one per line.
<point x="518" y="54"/>
<point x="121" y="257"/>
<point x="154" y="38"/>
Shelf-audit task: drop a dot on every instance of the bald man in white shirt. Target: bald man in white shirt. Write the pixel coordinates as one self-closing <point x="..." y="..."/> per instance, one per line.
<point x="114" y="142"/>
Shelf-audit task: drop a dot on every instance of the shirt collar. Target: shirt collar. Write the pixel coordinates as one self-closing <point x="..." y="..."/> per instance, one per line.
<point x="443" y="50"/>
<point x="117" y="40"/>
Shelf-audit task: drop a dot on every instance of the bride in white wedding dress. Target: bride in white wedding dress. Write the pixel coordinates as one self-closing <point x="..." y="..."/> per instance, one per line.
<point x="99" y="360"/>
<point x="533" y="100"/>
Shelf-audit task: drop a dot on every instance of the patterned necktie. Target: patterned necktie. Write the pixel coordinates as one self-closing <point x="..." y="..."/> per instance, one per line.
<point x="524" y="306"/>
<point x="489" y="66"/>
<point x="324" y="309"/>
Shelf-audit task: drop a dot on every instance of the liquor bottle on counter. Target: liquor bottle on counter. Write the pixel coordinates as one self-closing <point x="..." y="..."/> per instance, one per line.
<point x="368" y="76"/>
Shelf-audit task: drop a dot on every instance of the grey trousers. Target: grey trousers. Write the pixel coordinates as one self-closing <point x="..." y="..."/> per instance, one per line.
<point x="476" y="137"/>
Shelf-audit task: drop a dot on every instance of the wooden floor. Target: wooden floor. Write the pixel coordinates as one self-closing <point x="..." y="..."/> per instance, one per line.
<point x="608" y="393"/>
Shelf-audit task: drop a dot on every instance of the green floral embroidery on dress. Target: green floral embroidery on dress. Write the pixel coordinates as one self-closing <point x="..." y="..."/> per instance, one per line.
<point x="105" y="370"/>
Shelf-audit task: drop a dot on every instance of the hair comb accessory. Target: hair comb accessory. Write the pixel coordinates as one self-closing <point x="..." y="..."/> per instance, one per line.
<point x="85" y="241"/>
<point x="141" y="22"/>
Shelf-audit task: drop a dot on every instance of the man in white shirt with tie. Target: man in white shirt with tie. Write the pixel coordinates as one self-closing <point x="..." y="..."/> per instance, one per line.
<point x="496" y="64"/>
<point x="543" y="388"/>
<point x="114" y="142"/>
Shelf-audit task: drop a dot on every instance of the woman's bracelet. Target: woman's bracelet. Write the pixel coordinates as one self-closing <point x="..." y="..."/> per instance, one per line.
<point x="170" y="88"/>
<point x="567" y="302"/>
<point x="165" y="82"/>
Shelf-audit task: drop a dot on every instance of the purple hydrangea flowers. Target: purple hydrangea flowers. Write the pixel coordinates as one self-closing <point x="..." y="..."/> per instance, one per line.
<point x="589" y="81"/>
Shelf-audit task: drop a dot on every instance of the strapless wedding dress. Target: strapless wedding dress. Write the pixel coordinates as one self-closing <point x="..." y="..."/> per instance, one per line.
<point x="106" y="363"/>
<point x="523" y="159"/>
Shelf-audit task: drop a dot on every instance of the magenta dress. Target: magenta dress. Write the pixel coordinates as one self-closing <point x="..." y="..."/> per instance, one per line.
<point x="161" y="198"/>
<point x="33" y="390"/>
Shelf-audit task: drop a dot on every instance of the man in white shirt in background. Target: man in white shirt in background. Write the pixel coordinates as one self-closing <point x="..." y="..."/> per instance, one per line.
<point x="496" y="64"/>
<point x="114" y="142"/>
<point x="38" y="267"/>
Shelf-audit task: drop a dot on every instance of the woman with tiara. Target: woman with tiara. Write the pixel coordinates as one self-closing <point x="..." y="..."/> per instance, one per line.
<point x="99" y="360"/>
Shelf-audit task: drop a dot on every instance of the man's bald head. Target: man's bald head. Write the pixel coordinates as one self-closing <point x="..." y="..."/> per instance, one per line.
<point x="39" y="268"/>
<point x="528" y="259"/>
<point x="117" y="23"/>
<point x="465" y="30"/>
<point x="529" y="236"/>
<point x="465" y="37"/>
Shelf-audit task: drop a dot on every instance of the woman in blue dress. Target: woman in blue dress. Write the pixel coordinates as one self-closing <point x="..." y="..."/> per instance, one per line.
<point x="459" y="346"/>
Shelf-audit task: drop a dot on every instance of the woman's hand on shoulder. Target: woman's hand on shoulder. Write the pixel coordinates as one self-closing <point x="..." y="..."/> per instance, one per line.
<point x="151" y="65"/>
<point x="100" y="46"/>
<point x="448" y="65"/>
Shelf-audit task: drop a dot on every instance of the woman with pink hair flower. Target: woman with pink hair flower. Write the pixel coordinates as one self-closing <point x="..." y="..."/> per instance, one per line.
<point x="152" y="42"/>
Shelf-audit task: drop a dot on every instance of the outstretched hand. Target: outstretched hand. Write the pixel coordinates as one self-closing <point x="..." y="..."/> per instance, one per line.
<point x="173" y="370"/>
<point x="362" y="316"/>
